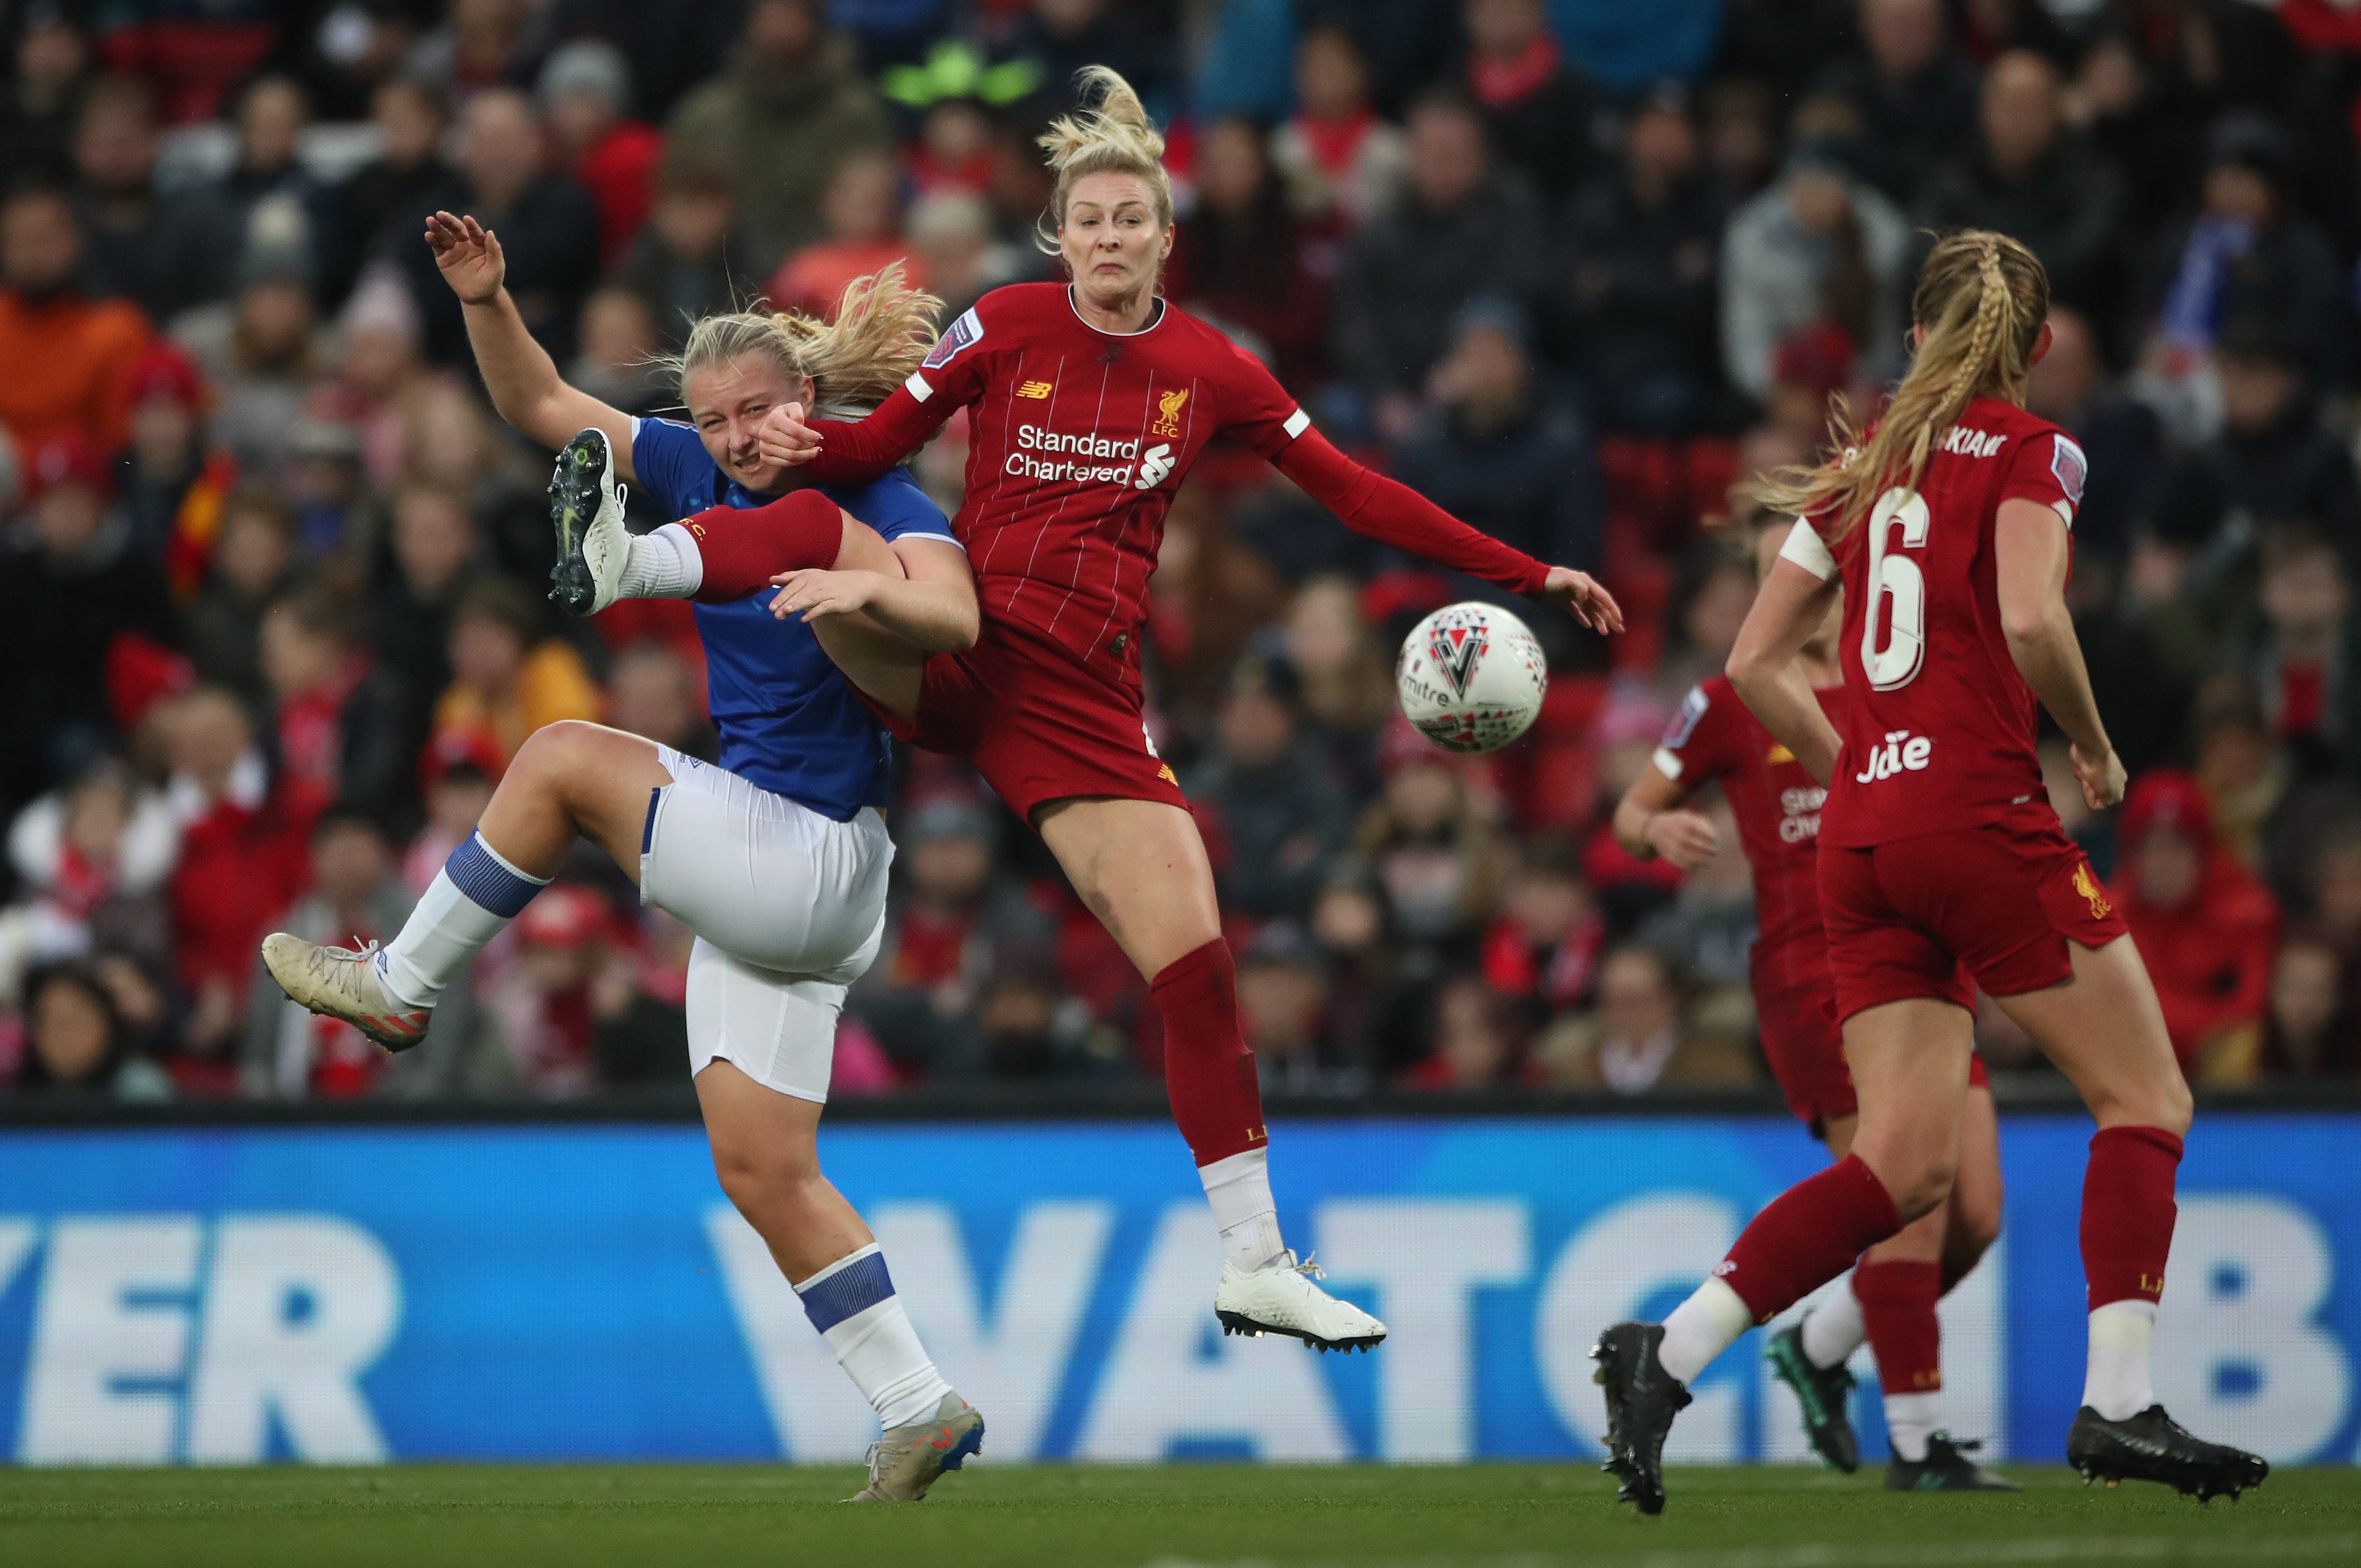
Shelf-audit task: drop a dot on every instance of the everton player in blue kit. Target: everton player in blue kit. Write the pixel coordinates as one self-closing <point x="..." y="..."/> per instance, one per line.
<point x="777" y="857"/>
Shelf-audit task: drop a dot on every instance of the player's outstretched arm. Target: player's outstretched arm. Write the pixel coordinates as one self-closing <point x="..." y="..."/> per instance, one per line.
<point x="854" y="451"/>
<point x="1392" y="513"/>
<point x="523" y="380"/>
<point x="2030" y="558"/>
<point x="1650" y="821"/>
<point x="1790" y="607"/>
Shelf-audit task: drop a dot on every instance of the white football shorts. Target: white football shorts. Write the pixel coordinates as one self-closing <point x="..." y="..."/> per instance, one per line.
<point x="788" y="908"/>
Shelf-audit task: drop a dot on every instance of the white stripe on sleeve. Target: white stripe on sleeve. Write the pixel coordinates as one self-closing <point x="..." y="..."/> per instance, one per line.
<point x="917" y="387"/>
<point x="1297" y="424"/>
<point x="1668" y="763"/>
<point x="1807" y="549"/>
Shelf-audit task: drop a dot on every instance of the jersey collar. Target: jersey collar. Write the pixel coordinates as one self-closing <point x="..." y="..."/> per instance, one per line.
<point x="1163" y="312"/>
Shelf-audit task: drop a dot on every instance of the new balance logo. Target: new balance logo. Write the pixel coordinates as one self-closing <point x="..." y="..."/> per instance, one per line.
<point x="1036" y="389"/>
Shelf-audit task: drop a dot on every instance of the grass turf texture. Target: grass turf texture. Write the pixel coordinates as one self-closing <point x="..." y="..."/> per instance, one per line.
<point x="1502" y="1515"/>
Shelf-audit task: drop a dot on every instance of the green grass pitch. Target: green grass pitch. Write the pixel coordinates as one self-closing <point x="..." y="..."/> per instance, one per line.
<point x="1173" y="1517"/>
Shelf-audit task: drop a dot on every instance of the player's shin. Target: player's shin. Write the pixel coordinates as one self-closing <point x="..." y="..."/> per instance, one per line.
<point x="852" y="1304"/>
<point x="2128" y="1219"/>
<point x="741" y="550"/>
<point x="1897" y="1305"/>
<point x="1217" y="1100"/>
<point x="472" y="898"/>
<point x="1808" y="1235"/>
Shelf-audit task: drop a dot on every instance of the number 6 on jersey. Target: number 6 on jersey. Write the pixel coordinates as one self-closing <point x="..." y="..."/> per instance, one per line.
<point x="1895" y="578"/>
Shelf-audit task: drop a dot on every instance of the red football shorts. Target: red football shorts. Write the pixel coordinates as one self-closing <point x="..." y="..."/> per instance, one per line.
<point x="1939" y="914"/>
<point x="1038" y="726"/>
<point x="1796" y="1014"/>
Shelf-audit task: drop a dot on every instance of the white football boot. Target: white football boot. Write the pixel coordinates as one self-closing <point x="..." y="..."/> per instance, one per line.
<point x="1281" y="1299"/>
<point x="585" y="508"/>
<point x="339" y="982"/>
<point x="907" y="1461"/>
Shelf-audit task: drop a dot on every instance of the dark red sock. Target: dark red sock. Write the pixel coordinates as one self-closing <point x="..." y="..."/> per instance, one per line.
<point x="1208" y="1071"/>
<point x="1897" y="1309"/>
<point x="2127" y="1213"/>
<point x="745" y="548"/>
<point x="1808" y="1235"/>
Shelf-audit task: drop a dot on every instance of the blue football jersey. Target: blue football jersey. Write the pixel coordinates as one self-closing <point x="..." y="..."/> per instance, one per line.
<point x="788" y="720"/>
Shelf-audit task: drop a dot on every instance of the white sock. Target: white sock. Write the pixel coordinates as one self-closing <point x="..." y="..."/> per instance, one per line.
<point x="471" y="898"/>
<point x="1701" y="1327"/>
<point x="663" y="564"/>
<point x="1238" y="1187"/>
<point x="1910" y="1421"/>
<point x="1833" y="1328"/>
<point x="852" y="1303"/>
<point x="2117" y="1383"/>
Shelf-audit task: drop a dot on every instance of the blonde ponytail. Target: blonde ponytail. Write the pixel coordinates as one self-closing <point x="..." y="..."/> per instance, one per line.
<point x="1982" y="299"/>
<point x="1114" y="137"/>
<point x="883" y="329"/>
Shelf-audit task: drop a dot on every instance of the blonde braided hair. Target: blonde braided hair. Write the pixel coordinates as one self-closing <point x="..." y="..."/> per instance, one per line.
<point x="1981" y="300"/>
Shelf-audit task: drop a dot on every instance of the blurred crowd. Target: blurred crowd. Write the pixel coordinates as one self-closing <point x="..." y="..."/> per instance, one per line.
<point x="270" y="619"/>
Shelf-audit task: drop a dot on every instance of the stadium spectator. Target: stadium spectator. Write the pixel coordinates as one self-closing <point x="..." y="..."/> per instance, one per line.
<point x="638" y="1011"/>
<point x="2028" y="178"/>
<point x="1240" y="259"/>
<point x="170" y="484"/>
<point x="585" y="92"/>
<point x="1344" y="681"/>
<point x="68" y="358"/>
<point x="548" y="225"/>
<point x="2303" y="661"/>
<point x="2204" y="924"/>
<point x="242" y="860"/>
<point x="481" y="44"/>
<point x="377" y="211"/>
<point x="686" y="263"/>
<point x="1913" y="103"/>
<point x="1543" y="946"/>
<point x="76" y="1045"/>
<point x="354" y="897"/>
<point x="1055" y="40"/>
<point x="2311" y="1031"/>
<point x="70" y="592"/>
<point x="861" y="223"/>
<point x="253" y="563"/>
<point x="1344" y="165"/>
<point x="1816" y="251"/>
<point x="2245" y="257"/>
<point x="41" y="97"/>
<point x="164" y="251"/>
<point x="260" y="350"/>
<point x="1434" y="852"/>
<point x="1275" y="819"/>
<point x="381" y="365"/>
<point x="951" y="246"/>
<point x="2120" y="438"/>
<point x="507" y="679"/>
<point x="1637" y="281"/>
<point x="272" y="198"/>
<point x="619" y="345"/>
<point x="1478" y="1041"/>
<point x="338" y="721"/>
<point x="790" y="108"/>
<point x="1538" y="111"/>
<point x="90" y="862"/>
<point x="539" y="997"/>
<point x="1463" y="231"/>
<point x="2272" y="459"/>
<point x="1640" y="1037"/>
<point x="1283" y="1003"/>
<point x="652" y="692"/>
<point x="434" y="545"/>
<point x="458" y="774"/>
<point x="1501" y="455"/>
<point x="1028" y="1026"/>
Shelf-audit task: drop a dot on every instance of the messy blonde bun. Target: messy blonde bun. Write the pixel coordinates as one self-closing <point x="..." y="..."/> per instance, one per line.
<point x="1114" y="137"/>
<point x="883" y="327"/>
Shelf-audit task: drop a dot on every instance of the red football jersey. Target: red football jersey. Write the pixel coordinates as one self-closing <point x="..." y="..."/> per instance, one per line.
<point x="1080" y="438"/>
<point x="1776" y="801"/>
<point x="1938" y="726"/>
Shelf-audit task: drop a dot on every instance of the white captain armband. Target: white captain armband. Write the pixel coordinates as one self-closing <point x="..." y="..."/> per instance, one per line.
<point x="1807" y="549"/>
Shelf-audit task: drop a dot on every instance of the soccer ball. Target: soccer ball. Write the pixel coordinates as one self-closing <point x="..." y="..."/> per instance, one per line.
<point x="1471" y="677"/>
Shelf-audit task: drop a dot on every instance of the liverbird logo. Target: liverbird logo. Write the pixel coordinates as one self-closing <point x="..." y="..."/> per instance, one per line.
<point x="1455" y="649"/>
<point x="2087" y="886"/>
<point x="1169" y="421"/>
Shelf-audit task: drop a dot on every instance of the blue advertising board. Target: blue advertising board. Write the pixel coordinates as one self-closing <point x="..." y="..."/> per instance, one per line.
<point x="543" y="1291"/>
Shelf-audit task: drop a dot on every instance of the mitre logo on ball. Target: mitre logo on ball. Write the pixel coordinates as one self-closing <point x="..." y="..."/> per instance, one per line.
<point x="1471" y="677"/>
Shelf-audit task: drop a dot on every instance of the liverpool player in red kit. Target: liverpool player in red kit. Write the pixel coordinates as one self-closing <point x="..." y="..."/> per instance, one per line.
<point x="1889" y="1299"/>
<point x="1088" y="403"/>
<point x="1942" y="867"/>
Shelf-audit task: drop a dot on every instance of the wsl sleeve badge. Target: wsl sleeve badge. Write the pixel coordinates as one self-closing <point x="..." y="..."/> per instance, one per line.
<point x="1471" y="678"/>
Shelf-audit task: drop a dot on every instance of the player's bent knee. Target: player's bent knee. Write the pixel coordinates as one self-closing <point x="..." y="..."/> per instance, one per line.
<point x="758" y="1178"/>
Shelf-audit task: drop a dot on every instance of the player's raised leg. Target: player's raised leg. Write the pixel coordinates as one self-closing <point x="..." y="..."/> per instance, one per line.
<point x="2105" y="1030"/>
<point x="1141" y="867"/>
<point x="764" y="1154"/>
<point x="572" y="779"/>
